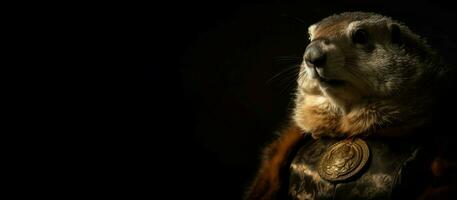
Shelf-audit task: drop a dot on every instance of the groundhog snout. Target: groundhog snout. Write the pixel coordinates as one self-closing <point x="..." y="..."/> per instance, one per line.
<point x="315" y="56"/>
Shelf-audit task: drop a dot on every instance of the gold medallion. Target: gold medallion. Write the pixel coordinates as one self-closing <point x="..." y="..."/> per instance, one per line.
<point x="343" y="160"/>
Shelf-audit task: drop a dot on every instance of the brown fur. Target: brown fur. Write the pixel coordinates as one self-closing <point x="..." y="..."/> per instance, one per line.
<point x="268" y="179"/>
<point x="335" y="29"/>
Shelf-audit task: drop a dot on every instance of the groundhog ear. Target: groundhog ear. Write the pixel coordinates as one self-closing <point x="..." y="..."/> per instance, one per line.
<point x="396" y="35"/>
<point x="311" y="31"/>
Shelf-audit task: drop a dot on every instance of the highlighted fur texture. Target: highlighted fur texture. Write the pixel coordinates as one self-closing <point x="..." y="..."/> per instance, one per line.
<point x="362" y="74"/>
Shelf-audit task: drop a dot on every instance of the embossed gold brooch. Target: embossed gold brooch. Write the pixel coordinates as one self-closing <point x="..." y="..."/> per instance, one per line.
<point x="343" y="160"/>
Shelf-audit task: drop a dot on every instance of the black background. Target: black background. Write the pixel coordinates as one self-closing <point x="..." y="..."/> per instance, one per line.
<point x="206" y="102"/>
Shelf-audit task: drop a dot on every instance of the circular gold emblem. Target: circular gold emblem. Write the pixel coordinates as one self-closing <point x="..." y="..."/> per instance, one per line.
<point x="343" y="160"/>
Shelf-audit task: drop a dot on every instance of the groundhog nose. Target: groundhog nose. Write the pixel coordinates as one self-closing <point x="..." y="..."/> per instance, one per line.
<point x="315" y="56"/>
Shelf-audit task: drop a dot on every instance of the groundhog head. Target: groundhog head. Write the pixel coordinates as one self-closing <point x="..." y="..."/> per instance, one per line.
<point x="361" y="73"/>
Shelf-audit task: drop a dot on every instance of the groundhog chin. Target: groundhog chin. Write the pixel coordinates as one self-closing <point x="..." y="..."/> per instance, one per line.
<point x="341" y="93"/>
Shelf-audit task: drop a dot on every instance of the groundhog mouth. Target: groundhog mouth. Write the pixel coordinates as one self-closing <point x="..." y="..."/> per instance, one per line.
<point x="331" y="82"/>
<point x="328" y="82"/>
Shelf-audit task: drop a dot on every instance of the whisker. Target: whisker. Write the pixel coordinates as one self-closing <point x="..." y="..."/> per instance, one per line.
<point x="296" y="19"/>
<point x="289" y="87"/>
<point x="287" y="80"/>
<point x="288" y="58"/>
<point x="288" y="70"/>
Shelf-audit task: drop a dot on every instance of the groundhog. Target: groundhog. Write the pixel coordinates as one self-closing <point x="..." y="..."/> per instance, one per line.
<point x="363" y="75"/>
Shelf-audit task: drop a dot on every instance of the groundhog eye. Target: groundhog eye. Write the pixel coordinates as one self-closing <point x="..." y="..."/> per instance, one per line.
<point x="360" y="36"/>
